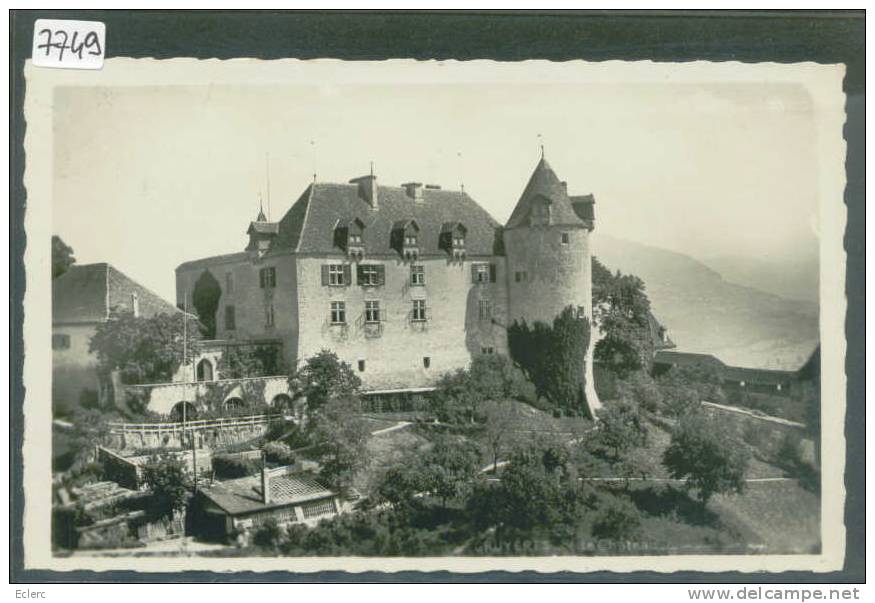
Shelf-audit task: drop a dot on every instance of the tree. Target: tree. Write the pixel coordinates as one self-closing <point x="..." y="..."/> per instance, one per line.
<point x="205" y="297"/>
<point x="499" y="423"/>
<point x="621" y="310"/>
<point x="399" y="487"/>
<point x="554" y="357"/>
<point x="167" y="479"/>
<point x="343" y="435"/>
<point x="449" y="468"/>
<point x="489" y="377"/>
<point x="145" y="350"/>
<point x="62" y="256"/>
<point x="538" y="489"/>
<point x="621" y="426"/>
<point x="684" y="387"/>
<point x="704" y="453"/>
<point x="325" y="377"/>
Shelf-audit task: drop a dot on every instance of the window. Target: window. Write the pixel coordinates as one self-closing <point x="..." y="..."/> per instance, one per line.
<point x="419" y="310"/>
<point x="355" y="239"/>
<point x="335" y="274"/>
<point x="230" y="318"/>
<point x="268" y="315"/>
<point x="229" y="282"/>
<point x="317" y="509"/>
<point x="565" y="238"/>
<point x="521" y="276"/>
<point x="60" y="342"/>
<point x="372" y="311"/>
<point x="361" y="366"/>
<point x="487" y="350"/>
<point x="267" y="277"/>
<point x="483" y="273"/>
<point x="485" y="309"/>
<point x="541" y="213"/>
<point x="371" y="275"/>
<point x="410" y="241"/>
<point x="338" y="313"/>
<point x="426" y="361"/>
<point x="458" y="241"/>
<point x="417" y="274"/>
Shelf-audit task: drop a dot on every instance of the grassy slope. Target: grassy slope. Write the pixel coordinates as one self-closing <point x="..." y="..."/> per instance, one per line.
<point x="770" y="517"/>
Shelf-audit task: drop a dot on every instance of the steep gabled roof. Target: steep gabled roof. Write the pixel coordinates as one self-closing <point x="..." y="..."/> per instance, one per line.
<point x="87" y="293"/>
<point x="545" y="185"/>
<point x="308" y="226"/>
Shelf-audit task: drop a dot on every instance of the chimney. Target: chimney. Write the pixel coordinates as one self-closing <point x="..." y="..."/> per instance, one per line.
<point x="414" y="190"/>
<point x="135" y="304"/>
<point x="265" y="481"/>
<point x="368" y="189"/>
<point x="564" y="186"/>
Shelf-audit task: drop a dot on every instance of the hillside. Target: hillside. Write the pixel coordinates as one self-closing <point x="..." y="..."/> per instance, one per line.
<point x="703" y="312"/>
<point x="794" y="280"/>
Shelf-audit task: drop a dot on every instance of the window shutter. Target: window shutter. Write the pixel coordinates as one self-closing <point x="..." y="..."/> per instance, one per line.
<point x="381" y="274"/>
<point x="473" y="273"/>
<point x="347" y="274"/>
<point x="261" y="278"/>
<point x="492" y="273"/>
<point x="324" y="275"/>
<point x="358" y="274"/>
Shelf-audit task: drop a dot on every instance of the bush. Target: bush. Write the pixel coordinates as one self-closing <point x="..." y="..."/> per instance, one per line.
<point x="278" y="453"/>
<point x="616" y="519"/>
<point x="229" y="466"/>
<point x="641" y="389"/>
<point x="268" y="535"/>
<point x="491" y="377"/>
<point x="168" y="481"/>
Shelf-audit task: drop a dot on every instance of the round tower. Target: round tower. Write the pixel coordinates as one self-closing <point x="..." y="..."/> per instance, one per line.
<point x="549" y="261"/>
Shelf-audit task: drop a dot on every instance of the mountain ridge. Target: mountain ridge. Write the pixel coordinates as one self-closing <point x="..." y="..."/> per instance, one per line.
<point x="704" y="312"/>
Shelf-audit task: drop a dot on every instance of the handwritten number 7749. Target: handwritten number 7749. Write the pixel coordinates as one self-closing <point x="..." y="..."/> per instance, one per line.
<point x="53" y="41"/>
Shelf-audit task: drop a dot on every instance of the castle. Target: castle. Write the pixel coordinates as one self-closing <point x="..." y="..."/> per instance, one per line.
<point x="403" y="283"/>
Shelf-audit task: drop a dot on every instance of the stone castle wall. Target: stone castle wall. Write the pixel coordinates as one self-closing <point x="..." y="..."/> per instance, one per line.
<point x="238" y="278"/>
<point x="160" y="398"/>
<point x="394" y="351"/>
<point x="556" y="275"/>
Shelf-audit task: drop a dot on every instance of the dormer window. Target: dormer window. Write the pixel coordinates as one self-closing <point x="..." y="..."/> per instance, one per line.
<point x="349" y="237"/>
<point x="452" y="239"/>
<point x="405" y="239"/>
<point x="540" y="215"/>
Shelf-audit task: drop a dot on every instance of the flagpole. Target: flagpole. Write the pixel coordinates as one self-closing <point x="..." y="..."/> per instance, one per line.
<point x="185" y="393"/>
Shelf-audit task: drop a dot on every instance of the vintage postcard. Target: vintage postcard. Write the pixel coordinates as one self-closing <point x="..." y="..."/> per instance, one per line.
<point x="467" y="316"/>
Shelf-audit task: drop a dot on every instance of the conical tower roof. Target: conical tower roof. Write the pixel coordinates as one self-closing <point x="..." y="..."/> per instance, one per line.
<point x="545" y="184"/>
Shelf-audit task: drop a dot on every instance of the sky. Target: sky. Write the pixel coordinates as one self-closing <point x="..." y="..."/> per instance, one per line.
<point x="146" y="178"/>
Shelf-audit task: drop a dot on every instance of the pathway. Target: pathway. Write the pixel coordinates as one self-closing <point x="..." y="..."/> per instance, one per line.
<point x="391" y="428"/>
